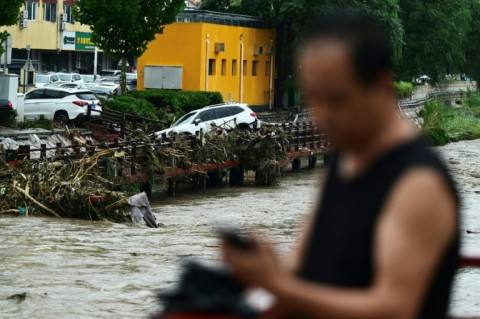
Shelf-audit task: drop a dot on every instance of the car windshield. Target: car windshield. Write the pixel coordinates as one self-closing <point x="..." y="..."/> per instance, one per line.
<point x="184" y="119"/>
<point x="65" y="77"/>
<point x="42" y="78"/>
<point x="87" y="96"/>
<point x="88" y="78"/>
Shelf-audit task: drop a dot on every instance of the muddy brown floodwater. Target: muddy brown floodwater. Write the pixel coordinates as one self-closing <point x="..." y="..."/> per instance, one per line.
<point x="51" y="268"/>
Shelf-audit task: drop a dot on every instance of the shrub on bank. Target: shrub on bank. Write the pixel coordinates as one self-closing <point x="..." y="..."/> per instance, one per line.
<point x="444" y="124"/>
<point x="129" y="104"/>
<point x="178" y="102"/>
<point x="404" y="89"/>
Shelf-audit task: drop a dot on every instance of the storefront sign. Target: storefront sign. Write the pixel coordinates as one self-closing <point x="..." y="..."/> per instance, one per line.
<point x="77" y="41"/>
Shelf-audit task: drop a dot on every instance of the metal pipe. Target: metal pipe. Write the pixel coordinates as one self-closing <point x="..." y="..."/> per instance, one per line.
<point x="95" y="62"/>
<point x="207" y="51"/>
<point x="241" y="67"/>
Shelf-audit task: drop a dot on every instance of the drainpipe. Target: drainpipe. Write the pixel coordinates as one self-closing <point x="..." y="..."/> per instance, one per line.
<point x="95" y="63"/>
<point x="241" y="67"/>
<point x="272" y="56"/>
<point x="207" y="51"/>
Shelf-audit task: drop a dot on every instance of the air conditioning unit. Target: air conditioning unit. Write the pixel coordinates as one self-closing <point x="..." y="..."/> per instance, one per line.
<point x="62" y="26"/>
<point x="23" y="23"/>
<point x="257" y="50"/>
<point x="219" y="47"/>
<point x="270" y="50"/>
<point x="63" y="17"/>
<point x="23" y="14"/>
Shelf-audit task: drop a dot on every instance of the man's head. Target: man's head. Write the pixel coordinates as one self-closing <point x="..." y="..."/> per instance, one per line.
<point x="346" y="73"/>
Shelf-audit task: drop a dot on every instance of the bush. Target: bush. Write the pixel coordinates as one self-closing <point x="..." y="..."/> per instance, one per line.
<point x="404" y="89"/>
<point x="178" y="102"/>
<point x="444" y="124"/>
<point x="129" y="104"/>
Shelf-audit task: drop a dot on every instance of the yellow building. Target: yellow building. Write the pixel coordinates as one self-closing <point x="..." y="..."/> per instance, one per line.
<point x="209" y="51"/>
<point x="56" y="42"/>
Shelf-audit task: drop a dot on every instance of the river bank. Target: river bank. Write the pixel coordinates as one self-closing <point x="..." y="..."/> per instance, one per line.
<point x="72" y="269"/>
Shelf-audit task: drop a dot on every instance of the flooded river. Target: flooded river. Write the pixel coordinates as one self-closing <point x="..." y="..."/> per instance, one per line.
<point x="52" y="268"/>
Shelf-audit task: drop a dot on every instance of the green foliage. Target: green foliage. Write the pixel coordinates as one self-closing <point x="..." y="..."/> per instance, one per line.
<point x="472" y="64"/>
<point x="41" y="122"/>
<point x="123" y="28"/>
<point x="10" y="11"/>
<point x="178" y="102"/>
<point x="435" y="37"/>
<point x="444" y="124"/>
<point x="130" y="104"/>
<point x="404" y="89"/>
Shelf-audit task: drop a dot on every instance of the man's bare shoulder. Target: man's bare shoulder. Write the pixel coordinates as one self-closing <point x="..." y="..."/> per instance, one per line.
<point x="423" y="201"/>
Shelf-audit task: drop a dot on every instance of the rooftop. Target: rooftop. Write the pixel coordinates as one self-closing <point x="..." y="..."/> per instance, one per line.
<point x="189" y="16"/>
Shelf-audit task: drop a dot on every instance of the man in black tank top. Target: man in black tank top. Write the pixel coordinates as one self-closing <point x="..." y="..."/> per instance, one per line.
<point x="383" y="242"/>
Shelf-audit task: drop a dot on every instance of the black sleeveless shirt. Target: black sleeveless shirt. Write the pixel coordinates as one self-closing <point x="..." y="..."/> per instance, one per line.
<point x="341" y="248"/>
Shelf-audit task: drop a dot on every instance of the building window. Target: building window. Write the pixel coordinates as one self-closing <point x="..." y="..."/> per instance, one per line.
<point x="212" y="66"/>
<point x="234" y="67"/>
<point x="68" y="10"/>
<point x="267" y="68"/>
<point x="254" y="68"/>
<point x="49" y="12"/>
<point x="245" y="67"/>
<point x="224" y="67"/>
<point x="32" y="9"/>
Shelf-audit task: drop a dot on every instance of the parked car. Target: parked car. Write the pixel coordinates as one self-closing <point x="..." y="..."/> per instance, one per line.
<point x="111" y="73"/>
<point x="71" y="77"/>
<point x="227" y="116"/>
<point x="6" y="108"/>
<point x="90" y="78"/>
<point x="66" y="85"/>
<point x="59" y="104"/>
<point x="103" y="90"/>
<point x="43" y="79"/>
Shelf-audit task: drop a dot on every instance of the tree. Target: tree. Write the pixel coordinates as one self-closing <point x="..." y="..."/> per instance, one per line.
<point x="123" y="28"/>
<point x="288" y="18"/>
<point x="10" y="11"/>
<point x="435" y="37"/>
<point x="472" y="49"/>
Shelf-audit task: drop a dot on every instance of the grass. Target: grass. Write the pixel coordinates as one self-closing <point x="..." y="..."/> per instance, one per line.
<point x="444" y="124"/>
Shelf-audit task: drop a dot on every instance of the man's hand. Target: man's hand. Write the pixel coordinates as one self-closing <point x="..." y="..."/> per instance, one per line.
<point x="256" y="267"/>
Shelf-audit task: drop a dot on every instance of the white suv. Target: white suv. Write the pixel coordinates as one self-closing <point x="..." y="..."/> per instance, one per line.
<point x="227" y="116"/>
<point x="59" y="104"/>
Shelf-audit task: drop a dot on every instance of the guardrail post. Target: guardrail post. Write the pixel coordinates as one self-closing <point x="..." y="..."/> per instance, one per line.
<point x="43" y="151"/>
<point x="23" y="152"/>
<point x="297" y="137"/>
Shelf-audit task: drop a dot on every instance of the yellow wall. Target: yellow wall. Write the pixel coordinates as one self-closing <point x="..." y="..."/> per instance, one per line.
<point x="185" y="44"/>
<point x="41" y="34"/>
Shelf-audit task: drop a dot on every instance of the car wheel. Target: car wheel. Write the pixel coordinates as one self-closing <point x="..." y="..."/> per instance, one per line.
<point x="61" y="117"/>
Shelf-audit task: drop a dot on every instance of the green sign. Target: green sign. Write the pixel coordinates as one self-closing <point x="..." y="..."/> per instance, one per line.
<point x="77" y="41"/>
<point x="83" y="41"/>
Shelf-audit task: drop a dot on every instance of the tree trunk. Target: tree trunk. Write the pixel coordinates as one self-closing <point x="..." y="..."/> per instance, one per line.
<point x="123" y="77"/>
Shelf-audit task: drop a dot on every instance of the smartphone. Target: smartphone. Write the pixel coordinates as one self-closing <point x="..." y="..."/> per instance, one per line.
<point x="236" y="239"/>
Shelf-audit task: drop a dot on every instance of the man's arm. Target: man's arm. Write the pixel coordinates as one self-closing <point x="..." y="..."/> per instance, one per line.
<point x="418" y="223"/>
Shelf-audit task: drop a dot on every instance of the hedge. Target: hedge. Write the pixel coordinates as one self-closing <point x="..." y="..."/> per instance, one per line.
<point x="178" y="102"/>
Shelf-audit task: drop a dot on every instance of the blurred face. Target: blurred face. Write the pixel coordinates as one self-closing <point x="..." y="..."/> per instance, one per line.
<point x="348" y="111"/>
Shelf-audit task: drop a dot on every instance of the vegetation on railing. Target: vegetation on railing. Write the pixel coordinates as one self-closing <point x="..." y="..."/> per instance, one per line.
<point x="444" y="123"/>
<point x="78" y="181"/>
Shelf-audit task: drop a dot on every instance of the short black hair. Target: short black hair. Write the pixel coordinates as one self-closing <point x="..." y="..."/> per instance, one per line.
<point x="366" y="37"/>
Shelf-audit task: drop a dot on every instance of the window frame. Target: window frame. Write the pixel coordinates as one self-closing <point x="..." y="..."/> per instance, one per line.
<point x="32" y="9"/>
<point x="212" y="67"/>
<point x="255" y="64"/>
<point x="51" y="9"/>
<point x="68" y="11"/>
<point x="234" y="67"/>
